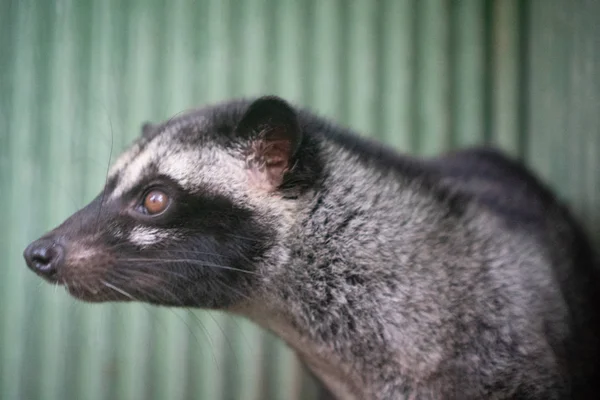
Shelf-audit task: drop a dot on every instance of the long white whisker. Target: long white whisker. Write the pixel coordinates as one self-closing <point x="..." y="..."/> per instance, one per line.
<point x="227" y="287"/>
<point x="116" y="289"/>
<point x="186" y="260"/>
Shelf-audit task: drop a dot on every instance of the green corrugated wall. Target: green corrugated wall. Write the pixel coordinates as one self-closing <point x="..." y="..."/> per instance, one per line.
<point x="78" y="77"/>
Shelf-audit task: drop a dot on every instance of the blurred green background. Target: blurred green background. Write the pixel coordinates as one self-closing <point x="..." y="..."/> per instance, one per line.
<point x="78" y="77"/>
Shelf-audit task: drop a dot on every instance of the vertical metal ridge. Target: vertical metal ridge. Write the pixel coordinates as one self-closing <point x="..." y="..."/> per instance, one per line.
<point x="524" y="76"/>
<point x="504" y="90"/>
<point x="548" y="114"/>
<point x="468" y="61"/>
<point x="274" y="31"/>
<point x="7" y="82"/>
<point x="253" y="28"/>
<point x="590" y="140"/>
<point x="32" y="383"/>
<point x="362" y="66"/>
<point x="218" y="55"/>
<point x="20" y="191"/>
<point x="246" y="360"/>
<point x="538" y="150"/>
<point x="433" y="77"/>
<point x="584" y="119"/>
<point x="396" y="73"/>
<point x="572" y="91"/>
<point x="216" y="355"/>
<point x="488" y="65"/>
<point x="309" y="37"/>
<point x="327" y="59"/>
<point x="287" y="49"/>
<point x="342" y="51"/>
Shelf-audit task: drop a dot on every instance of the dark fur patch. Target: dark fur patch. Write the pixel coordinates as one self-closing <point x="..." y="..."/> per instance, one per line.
<point x="208" y="261"/>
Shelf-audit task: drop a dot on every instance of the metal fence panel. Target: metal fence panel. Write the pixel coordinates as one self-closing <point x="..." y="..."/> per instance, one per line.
<point x="78" y="77"/>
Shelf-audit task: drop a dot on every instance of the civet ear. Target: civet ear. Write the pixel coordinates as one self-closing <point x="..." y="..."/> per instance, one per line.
<point x="147" y="129"/>
<point x="271" y="128"/>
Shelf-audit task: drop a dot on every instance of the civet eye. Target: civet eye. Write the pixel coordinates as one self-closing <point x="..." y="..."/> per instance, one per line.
<point x="156" y="202"/>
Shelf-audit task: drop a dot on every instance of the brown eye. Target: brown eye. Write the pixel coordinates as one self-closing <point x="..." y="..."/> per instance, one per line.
<point x="156" y="202"/>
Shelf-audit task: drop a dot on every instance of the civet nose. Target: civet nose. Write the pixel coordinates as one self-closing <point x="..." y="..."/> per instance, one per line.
<point x="44" y="257"/>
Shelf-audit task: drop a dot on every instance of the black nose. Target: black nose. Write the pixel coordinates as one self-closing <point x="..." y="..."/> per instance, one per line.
<point x="44" y="257"/>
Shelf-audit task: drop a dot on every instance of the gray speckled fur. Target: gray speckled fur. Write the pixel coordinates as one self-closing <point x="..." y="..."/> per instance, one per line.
<point x="456" y="277"/>
<point x="388" y="293"/>
<point x="407" y="299"/>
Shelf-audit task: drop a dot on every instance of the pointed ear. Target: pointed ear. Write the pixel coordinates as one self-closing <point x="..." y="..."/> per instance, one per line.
<point x="271" y="129"/>
<point x="147" y="129"/>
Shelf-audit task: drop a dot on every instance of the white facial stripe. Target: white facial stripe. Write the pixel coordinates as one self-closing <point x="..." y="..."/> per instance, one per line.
<point x="134" y="171"/>
<point x="123" y="160"/>
<point x="182" y="167"/>
<point x="145" y="236"/>
<point x="207" y="168"/>
<point x="132" y="163"/>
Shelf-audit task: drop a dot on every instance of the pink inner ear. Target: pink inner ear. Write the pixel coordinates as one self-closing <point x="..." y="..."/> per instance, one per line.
<point x="275" y="156"/>
<point x="276" y="151"/>
<point x="272" y="153"/>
